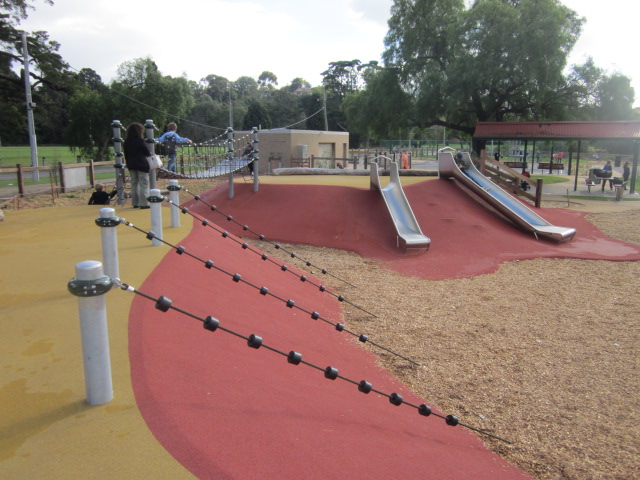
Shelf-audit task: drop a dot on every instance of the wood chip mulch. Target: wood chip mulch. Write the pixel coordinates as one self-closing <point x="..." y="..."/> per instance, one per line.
<point x="544" y="353"/>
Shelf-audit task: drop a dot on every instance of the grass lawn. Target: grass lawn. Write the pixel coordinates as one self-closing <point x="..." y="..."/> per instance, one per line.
<point x="549" y="179"/>
<point x="52" y="154"/>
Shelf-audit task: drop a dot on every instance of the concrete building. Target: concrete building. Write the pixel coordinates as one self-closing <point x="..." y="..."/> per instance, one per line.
<point x="284" y="148"/>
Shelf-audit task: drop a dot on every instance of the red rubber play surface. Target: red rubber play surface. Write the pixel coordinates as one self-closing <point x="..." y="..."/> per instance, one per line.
<point x="226" y="410"/>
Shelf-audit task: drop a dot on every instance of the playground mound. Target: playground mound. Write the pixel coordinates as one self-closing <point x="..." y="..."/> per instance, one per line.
<point x="525" y="342"/>
<point x="526" y="345"/>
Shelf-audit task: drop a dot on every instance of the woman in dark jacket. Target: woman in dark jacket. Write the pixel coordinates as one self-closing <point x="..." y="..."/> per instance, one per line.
<point x="135" y="156"/>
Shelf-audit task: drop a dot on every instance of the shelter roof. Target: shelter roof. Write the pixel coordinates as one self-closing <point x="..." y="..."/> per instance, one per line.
<point x="557" y="130"/>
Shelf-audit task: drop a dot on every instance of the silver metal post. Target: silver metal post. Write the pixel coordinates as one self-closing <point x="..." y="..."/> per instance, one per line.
<point x="151" y="142"/>
<point x="108" y="221"/>
<point x="156" y="199"/>
<point x="119" y="165"/>
<point x="35" y="175"/>
<point x="89" y="286"/>
<point x="255" y="157"/>
<point x="174" y="196"/>
<point x="231" y="160"/>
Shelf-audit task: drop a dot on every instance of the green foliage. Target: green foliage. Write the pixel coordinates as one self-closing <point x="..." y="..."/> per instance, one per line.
<point x="297" y="84"/>
<point x="245" y="88"/>
<point x="382" y="110"/>
<point x="267" y="79"/>
<point x="616" y="98"/>
<point x="344" y="77"/>
<point x="283" y="108"/>
<point x="497" y="60"/>
<point x="216" y="87"/>
<point x="256" y="116"/>
<point x="87" y="110"/>
<point x="47" y="70"/>
<point x="549" y="179"/>
<point x="205" y="112"/>
<point x="312" y="105"/>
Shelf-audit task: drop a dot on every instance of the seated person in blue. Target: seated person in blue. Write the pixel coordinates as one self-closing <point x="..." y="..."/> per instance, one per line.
<point x="607" y="171"/>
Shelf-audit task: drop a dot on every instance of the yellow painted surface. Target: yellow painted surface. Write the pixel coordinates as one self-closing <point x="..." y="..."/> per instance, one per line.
<point x="360" y="181"/>
<point x="47" y="430"/>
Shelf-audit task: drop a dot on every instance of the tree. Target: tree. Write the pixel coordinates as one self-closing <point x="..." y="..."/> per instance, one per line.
<point x="267" y="79"/>
<point x="89" y="112"/>
<point x="298" y="84"/>
<point x="345" y="76"/>
<point x="49" y="74"/>
<point x="139" y="85"/>
<point x="256" y="116"/>
<point x="497" y="60"/>
<point x="207" y="119"/>
<point x="616" y="96"/>
<point x="284" y="108"/>
<point x="382" y="110"/>
<point x="245" y="88"/>
<point x="216" y="87"/>
<point x="312" y="105"/>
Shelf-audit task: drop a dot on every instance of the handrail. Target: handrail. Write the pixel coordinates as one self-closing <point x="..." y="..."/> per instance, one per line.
<point x="499" y="167"/>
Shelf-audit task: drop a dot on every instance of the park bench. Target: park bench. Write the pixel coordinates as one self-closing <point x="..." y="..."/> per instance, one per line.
<point x="301" y="162"/>
<point x="551" y="166"/>
<point x="614" y="182"/>
<point x="515" y="164"/>
<point x="590" y="183"/>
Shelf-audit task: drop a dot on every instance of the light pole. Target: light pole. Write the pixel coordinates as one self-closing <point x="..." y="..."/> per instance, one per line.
<point x="30" y="106"/>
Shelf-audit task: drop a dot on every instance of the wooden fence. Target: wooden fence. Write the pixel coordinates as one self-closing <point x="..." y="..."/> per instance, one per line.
<point x="510" y="179"/>
<point x="62" y="177"/>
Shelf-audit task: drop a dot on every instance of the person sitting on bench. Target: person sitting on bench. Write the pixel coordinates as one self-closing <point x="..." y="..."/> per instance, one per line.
<point x="607" y="172"/>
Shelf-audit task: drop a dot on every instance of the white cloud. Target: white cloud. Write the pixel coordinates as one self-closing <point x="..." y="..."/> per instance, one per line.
<point x="609" y="37"/>
<point x="291" y="38"/>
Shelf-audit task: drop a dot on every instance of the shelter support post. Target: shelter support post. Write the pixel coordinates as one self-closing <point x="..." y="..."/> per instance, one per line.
<point x="538" y="192"/>
<point x="634" y="169"/>
<point x="575" y="182"/>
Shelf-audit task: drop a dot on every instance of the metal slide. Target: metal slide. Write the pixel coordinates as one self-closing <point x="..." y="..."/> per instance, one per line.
<point x="504" y="202"/>
<point x="409" y="234"/>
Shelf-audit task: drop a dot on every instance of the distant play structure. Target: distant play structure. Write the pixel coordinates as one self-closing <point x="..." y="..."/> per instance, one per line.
<point x="409" y="235"/>
<point x="461" y="169"/>
<point x="203" y="160"/>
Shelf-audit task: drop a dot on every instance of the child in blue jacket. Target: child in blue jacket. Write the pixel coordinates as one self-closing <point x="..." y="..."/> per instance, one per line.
<point x="170" y="139"/>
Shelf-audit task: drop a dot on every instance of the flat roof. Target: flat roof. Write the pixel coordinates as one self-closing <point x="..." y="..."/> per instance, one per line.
<point x="557" y="130"/>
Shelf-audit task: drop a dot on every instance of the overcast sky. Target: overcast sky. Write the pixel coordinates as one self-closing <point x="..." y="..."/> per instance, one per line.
<point x="291" y="38"/>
